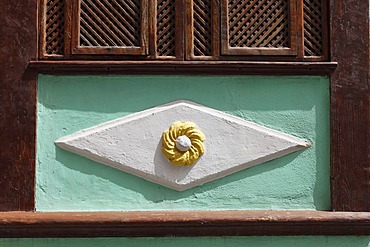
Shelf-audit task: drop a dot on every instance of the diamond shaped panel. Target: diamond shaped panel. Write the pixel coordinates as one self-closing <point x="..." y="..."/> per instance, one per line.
<point x="133" y="144"/>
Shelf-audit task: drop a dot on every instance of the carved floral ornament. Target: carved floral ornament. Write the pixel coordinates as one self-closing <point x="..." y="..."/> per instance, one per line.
<point x="182" y="144"/>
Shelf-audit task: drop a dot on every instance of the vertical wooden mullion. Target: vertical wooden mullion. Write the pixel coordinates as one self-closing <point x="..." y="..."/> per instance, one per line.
<point x="325" y="29"/>
<point x="42" y="28"/>
<point x="189" y="27"/>
<point x="299" y="25"/>
<point x="144" y="33"/>
<point x="224" y="27"/>
<point x="152" y="29"/>
<point x="295" y="9"/>
<point x="154" y="33"/>
<point x="75" y="25"/>
<point x="68" y="28"/>
<point x="216" y="29"/>
<point x="180" y="32"/>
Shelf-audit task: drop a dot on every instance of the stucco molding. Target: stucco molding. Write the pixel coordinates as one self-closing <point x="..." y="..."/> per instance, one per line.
<point x="133" y="144"/>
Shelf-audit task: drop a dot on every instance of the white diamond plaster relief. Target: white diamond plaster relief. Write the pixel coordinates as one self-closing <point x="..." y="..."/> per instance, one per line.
<point x="133" y="144"/>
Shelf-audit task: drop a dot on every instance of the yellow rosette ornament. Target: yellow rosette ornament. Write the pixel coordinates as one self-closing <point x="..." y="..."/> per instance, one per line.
<point x="182" y="143"/>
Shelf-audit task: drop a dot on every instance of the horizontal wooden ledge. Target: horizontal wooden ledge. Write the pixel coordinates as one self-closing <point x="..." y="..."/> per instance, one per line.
<point x="183" y="67"/>
<point x="182" y="224"/>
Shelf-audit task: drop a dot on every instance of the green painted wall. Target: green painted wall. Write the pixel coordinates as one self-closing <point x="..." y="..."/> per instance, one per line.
<point x="321" y="241"/>
<point x="295" y="105"/>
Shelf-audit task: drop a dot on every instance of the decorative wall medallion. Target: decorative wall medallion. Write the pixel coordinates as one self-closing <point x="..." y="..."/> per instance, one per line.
<point x="182" y="144"/>
<point x="134" y="144"/>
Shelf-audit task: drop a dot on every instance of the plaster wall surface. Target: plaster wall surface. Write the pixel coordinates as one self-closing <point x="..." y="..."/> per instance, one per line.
<point x="294" y="105"/>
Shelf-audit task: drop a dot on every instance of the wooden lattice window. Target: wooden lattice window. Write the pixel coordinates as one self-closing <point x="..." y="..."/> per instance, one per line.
<point x="109" y="27"/>
<point x="185" y="29"/>
<point x="166" y="29"/>
<point x="53" y="23"/>
<point x="202" y="32"/>
<point x="265" y="27"/>
<point x="315" y="15"/>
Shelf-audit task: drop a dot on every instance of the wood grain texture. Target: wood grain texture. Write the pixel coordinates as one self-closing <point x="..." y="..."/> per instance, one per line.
<point x="182" y="224"/>
<point x="18" y="45"/>
<point x="349" y="106"/>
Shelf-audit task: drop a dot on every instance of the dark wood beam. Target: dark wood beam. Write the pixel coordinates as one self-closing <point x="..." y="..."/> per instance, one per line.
<point x="350" y="167"/>
<point x="18" y="45"/>
<point x="183" y="67"/>
<point x="182" y="224"/>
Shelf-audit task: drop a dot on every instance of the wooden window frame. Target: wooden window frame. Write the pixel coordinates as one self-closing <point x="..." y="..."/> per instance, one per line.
<point x="350" y="132"/>
<point x="189" y="32"/>
<point x="179" y="38"/>
<point x="294" y="17"/>
<point x="183" y="42"/>
<point x="107" y="50"/>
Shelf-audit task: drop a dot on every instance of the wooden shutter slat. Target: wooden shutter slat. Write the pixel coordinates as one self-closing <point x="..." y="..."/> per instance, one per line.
<point x="104" y="27"/>
<point x="262" y="27"/>
<point x="314" y="30"/>
<point x="52" y="28"/>
<point x="168" y="29"/>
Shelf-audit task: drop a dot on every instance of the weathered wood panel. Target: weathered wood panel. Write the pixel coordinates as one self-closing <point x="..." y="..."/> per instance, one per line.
<point x="18" y="45"/>
<point x="349" y="106"/>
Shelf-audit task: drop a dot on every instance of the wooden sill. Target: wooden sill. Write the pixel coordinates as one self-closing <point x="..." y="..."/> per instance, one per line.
<point x="182" y="67"/>
<point x="182" y="224"/>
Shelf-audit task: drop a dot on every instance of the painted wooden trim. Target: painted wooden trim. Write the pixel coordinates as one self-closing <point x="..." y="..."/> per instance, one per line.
<point x="183" y="67"/>
<point x="182" y="224"/>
